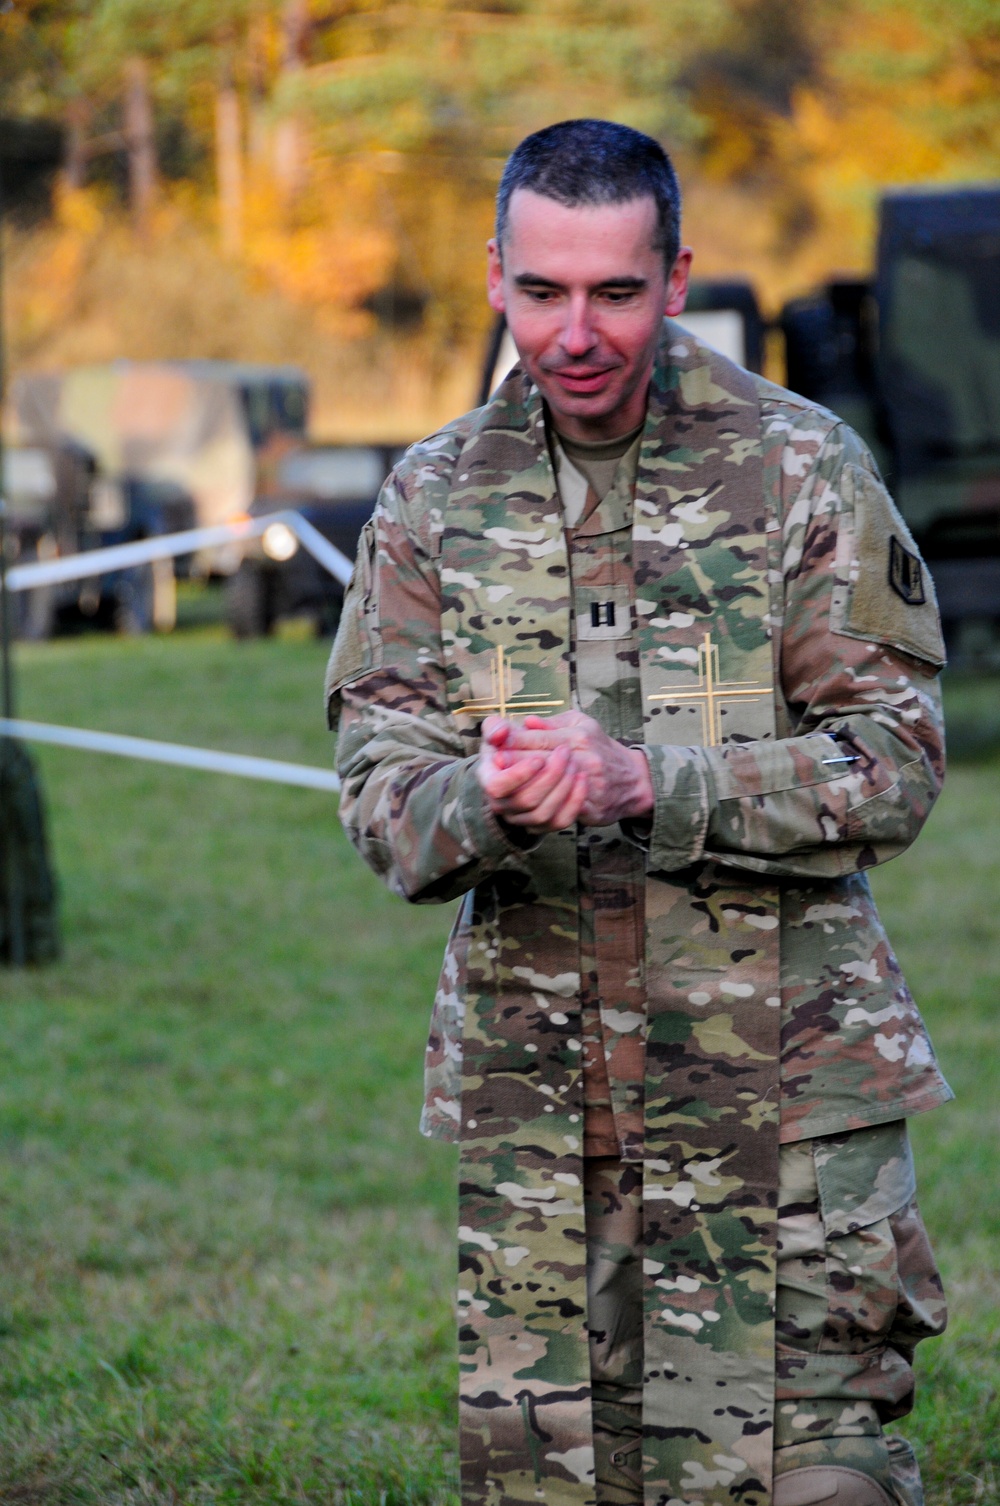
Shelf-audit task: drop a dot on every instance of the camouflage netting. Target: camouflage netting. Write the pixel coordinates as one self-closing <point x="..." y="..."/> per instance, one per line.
<point x="29" y="926"/>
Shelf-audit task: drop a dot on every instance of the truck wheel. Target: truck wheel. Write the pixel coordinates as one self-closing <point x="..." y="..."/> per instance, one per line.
<point x="327" y="618"/>
<point x="35" y="614"/>
<point x="133" y="609"/>
<point x="248" y="605"/>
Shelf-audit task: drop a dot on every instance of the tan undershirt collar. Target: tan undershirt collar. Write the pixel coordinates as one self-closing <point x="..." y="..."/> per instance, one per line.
<point x="597" y="465"/>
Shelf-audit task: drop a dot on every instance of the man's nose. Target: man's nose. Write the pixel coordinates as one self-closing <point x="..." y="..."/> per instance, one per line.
<point x="578" y="335"/>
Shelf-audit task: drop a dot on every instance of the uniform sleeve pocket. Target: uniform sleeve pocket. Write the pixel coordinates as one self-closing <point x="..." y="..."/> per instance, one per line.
<point x="884" y="592"/>
<point x="864" y="1176"/>
<point x="357" y="648"/>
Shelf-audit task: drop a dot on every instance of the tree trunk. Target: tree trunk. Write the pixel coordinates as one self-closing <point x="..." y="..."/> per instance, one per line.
<point x="75" y="161"/>
<point x="229" y="167"/>
<point x="295" y="33"/>
<point x="258" y="131"/>
<point x="140" y="143"/>
<point x="289" y="136"/>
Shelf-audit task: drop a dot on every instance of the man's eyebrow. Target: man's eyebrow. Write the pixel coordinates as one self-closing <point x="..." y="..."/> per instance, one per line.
<point x="623" y="283"/>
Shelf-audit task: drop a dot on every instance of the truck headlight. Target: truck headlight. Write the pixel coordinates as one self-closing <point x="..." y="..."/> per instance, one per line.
<point x="279" y="542"/>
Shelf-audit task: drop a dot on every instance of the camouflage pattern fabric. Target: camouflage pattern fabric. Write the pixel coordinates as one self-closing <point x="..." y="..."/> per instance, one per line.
<point x="525" y="1405"/>
<point x="613" y="1205"/>
<point x="857" y="1289"/>
<point x="854" y="1051"/>
<point x="712" y="950"/>
<point x="711" y="1098"/>
<point x="611" y="873"/>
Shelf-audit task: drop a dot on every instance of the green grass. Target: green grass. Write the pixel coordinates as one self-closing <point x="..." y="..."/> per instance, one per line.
<point x="225" y="1253"/>
<point x="941" y="905"/>
<point x="226" y="1264"/>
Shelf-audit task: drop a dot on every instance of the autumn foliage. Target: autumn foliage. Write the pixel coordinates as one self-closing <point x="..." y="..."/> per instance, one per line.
<point x="339" y="157"/>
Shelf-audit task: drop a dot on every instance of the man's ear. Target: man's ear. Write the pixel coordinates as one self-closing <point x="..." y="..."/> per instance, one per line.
<point x="494" y="276"/>
<point x="677" y="284"/>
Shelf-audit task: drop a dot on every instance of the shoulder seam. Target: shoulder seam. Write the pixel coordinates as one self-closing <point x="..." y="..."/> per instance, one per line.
<point x="773" y="397"/>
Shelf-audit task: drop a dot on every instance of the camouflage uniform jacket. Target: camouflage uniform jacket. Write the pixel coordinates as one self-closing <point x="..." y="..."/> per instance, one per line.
<point x="857" y="659"/>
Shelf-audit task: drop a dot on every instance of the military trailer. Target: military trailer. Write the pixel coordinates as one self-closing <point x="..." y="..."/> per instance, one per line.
<point x="911" y="359"/>
<point x="726" y="315"/>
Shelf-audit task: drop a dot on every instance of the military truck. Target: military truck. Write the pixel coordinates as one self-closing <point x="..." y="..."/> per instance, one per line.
<point x="175" y="444"/>
<point x="335" y="488"/>
<point x="58" y="504"/>
<point x="911" y="359"/>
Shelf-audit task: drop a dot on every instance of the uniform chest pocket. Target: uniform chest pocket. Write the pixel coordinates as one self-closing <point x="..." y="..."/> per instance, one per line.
<point x="602" y="613"/>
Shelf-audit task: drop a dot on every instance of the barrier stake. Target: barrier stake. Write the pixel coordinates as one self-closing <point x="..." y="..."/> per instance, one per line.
<point x="13" y="885"/>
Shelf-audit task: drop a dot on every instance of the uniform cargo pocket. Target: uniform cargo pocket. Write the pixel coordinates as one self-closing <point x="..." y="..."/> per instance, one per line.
<point x="857" y="1284"/>
<point x="864" y="1178"/>
<point x="837" y="1267"/>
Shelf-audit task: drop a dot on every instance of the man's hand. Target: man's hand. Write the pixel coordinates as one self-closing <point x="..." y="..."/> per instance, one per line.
<point x="542" y="791"/>
<point x="552" y="771"/>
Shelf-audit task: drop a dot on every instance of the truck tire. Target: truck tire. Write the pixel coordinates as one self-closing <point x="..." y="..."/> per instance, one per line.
<point x="134" y="597"/>
<point x="35" y="614"/>
<point x="327" y="618"/>
<point x="248" y="604"/>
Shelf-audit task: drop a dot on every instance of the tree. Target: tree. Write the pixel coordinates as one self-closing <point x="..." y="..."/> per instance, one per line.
<point x="357" y="143"/>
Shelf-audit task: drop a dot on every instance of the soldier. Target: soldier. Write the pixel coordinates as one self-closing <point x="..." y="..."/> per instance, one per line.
<point x="639" y="662"/>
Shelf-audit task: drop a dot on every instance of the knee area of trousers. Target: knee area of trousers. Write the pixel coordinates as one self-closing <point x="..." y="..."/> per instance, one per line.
<point x="862" y="1471"/>
<point x="829" y="1485"/>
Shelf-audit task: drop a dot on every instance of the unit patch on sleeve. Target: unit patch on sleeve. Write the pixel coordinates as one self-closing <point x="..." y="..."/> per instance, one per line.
<point x="906" y="576"/>
<point x="884" y="592"/>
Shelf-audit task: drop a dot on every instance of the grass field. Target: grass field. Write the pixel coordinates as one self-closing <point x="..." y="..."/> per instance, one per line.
<point x="226" y="1253"/>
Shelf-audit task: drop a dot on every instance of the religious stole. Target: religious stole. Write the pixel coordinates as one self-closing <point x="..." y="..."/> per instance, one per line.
<point x="712" y="972"/>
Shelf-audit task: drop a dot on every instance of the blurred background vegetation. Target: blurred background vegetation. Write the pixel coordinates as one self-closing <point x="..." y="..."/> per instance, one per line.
<point x="312" y="180"/>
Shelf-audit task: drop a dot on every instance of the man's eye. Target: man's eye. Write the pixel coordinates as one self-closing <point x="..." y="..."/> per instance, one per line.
<point x="619" y="296"/>
<point x="540" y="295"/>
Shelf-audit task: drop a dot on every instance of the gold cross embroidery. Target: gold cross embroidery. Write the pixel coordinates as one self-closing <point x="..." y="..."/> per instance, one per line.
<point x="711" y="693"/>
<point x="502" y="699"/>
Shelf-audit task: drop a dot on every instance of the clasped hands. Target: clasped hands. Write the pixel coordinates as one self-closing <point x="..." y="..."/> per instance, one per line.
<point x="549" y="772"/>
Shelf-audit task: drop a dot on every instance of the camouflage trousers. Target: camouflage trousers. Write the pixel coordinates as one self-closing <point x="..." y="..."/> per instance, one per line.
<point x="858" y="1288"/>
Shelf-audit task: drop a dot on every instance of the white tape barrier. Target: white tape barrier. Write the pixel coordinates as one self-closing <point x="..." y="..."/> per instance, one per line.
<point x="164" y="546"/>
<point x="125" y="556"/>
<point x="271" y="769"/>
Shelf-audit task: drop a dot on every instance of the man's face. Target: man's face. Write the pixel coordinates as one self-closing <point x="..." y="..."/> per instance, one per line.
<point x="584" y="291"/>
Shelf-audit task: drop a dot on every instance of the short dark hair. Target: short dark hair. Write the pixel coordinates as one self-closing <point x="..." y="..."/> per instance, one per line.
<point x="595" y="162"/>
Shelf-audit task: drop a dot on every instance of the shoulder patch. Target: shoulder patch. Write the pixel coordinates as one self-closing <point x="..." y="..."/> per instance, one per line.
<point x="884" y="591"/>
